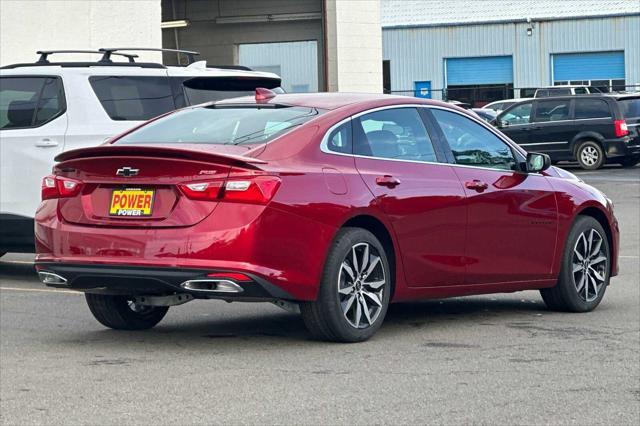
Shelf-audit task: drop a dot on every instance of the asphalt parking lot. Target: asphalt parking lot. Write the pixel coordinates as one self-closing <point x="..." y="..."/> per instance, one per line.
<point x="499" y="359"/>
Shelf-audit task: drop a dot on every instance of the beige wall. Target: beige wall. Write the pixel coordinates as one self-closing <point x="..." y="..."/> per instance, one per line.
<point x="30" y="25"/>
<point x="354" y="46"/>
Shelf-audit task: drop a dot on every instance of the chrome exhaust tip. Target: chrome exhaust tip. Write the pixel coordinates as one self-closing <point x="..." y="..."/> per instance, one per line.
<point x="212" y="286"/>
<point x="50" y="278"/>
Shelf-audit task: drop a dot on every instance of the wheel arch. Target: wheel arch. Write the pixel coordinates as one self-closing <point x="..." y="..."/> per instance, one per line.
<point x="583" y="137"/>
<point x="602" y="218"/>
<point x="383" y="234"/>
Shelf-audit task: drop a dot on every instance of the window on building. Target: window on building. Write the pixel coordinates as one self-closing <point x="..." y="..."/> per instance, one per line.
<point x="472" y="144"/>
<point x="386" y="76"/>
<point x="397" y="133"/>
<point x="479" y="95"/>
<point x="30" y="101"/>
<point x="591" y="108"/>
<point x="133" y="98"/>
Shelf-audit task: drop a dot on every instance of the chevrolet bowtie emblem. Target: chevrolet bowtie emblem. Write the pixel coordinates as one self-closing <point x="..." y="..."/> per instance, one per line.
<point x="127" y="171"/>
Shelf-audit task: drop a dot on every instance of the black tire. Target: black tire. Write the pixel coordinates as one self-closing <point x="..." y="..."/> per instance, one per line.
<point x="629" y="161"/>
<point x="590" y="155"/>
<point x="118" y="313"/>
<point x="325" y="317"/>
<point x="567" y="295"/>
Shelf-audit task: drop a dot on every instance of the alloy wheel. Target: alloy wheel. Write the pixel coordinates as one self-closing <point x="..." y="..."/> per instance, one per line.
<point x="361" y="285"/>
<point x="589" y="265"/>
<point x="589" y="156"/>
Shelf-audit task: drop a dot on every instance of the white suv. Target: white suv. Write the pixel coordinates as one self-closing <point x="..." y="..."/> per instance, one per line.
<point x="49" y="107"/>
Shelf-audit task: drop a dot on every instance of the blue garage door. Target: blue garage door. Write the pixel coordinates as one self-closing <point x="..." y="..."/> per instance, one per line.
<point x="481" y="70"/>
<point x="588" y="66"/>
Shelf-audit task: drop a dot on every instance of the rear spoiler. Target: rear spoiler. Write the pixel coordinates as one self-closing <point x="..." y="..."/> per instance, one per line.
<point x="157" y="151"/>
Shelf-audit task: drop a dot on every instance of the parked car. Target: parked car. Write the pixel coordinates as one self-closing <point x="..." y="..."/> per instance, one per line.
<point x="50" y="107"/>
<point x="499" y="106"/>
<point x="550" y="91"/>
<point x="460" y="104"/>
<point x="590" y="129"/>
<point x="487" y="115"/>
<point x="333" y="204"/>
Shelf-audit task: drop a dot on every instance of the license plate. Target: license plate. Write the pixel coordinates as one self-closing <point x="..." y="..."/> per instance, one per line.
<point x="131" y="202"/>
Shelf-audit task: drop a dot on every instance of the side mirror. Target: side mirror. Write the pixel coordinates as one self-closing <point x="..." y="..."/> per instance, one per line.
<point x="503" y="123"/>
<point x="537" y="162"/>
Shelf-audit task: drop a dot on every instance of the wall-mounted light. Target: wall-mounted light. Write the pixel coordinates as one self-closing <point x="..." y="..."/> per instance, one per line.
<point x="181" y="23"/>
<point x="529" y="31"/>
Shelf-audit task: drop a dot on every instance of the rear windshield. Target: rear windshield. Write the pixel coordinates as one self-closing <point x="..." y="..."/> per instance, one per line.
<point x="222" y="125"/>
<point x="630" y="107"/>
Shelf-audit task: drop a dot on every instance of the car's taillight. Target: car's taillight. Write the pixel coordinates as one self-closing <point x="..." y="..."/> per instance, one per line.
<point x="621" y="128"/>
<point x="59" y="187"/>
<point x="251" y="190"/>
<point x="202" y="190"/>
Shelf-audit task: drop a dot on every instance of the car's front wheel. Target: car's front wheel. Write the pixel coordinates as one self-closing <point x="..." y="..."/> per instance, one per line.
<point x="355" y="289"/>
<point x="585" y="269"/>
<point x="121" y="313"/>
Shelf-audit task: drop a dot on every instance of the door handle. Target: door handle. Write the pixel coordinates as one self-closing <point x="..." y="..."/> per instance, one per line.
<point x="388" y="181"/>
<point x="46" y="143"/>
<point x="476" y="185"/>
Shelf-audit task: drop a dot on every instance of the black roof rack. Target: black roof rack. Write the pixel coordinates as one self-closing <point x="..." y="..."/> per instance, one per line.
<point x="44" y="55"/>
<point x="107" y="52"/>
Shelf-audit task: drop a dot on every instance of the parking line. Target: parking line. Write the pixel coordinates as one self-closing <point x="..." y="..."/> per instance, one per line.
<point x="40" y="290"/>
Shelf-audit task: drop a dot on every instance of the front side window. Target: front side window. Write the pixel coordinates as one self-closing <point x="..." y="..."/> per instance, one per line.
<point x="591" y="108"/>
<point x="30" y="101"/>
<point x="473" y="144"/>
<point x="520" y="114"/>
<point x="397" y="133"/>
<point x="552" y="110"/>
<point x="133" y="98"/>
<point x="221" y="125"/>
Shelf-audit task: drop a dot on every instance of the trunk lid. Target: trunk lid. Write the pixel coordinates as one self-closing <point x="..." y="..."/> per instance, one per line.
<point x="137" y="186"/>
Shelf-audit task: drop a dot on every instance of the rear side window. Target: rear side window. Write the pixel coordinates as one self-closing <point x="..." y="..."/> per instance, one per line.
<point x="30" y="101"/>
<point x="591" y="108"/>
<point x="221" y="125"/>
<point x="198" y="90"/>
<point x="397" y="133"/>
<point x="339" y="140"/>
<point x="133" y="98"/>
<point x="552" y="110"/>
<point x="630" y="108"/>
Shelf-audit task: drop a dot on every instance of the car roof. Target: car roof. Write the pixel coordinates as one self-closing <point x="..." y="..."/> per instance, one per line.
<point x="331" y="100"/>
<point x="509" y="100"/>
<point x="197" y="69"/>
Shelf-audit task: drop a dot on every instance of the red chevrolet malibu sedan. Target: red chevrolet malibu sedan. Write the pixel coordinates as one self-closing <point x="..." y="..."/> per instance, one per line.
<point x="331" y="204"/>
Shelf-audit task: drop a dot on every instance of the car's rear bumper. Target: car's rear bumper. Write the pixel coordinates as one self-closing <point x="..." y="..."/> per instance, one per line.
<point x="135" y="280"/>
<point x="265" y="243"/>
<point x="622" y="147"/>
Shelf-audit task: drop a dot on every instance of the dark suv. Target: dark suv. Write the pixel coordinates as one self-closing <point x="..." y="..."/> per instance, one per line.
<point x="591" y="129"/>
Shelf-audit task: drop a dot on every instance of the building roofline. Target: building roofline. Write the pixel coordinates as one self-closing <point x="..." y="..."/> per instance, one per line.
<point x="509" y="21"/>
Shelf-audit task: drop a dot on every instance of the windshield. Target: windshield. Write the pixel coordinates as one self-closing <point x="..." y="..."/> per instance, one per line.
<point x="222" y="125"/>
<point x="630" y="107"/>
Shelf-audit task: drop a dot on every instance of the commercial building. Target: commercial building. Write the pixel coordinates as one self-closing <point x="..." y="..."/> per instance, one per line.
<point x="480" y="51"/>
